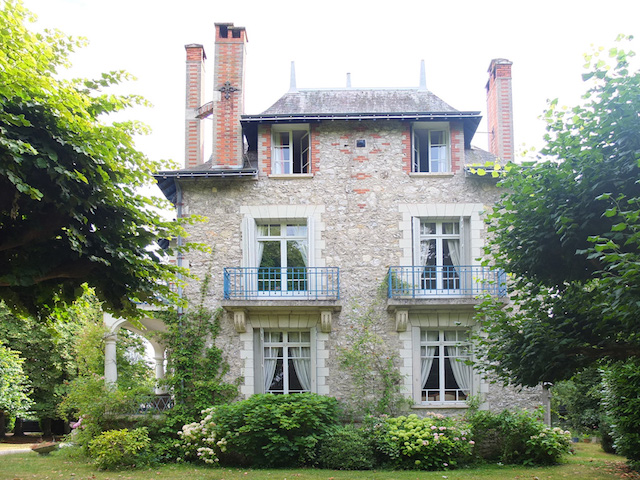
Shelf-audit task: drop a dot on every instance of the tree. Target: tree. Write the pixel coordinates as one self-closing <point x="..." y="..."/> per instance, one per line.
<point x="48" y="360"/>
<point x="567" y="230"/>
<point x="70" y="207"/>
<point x="14" y="385"/>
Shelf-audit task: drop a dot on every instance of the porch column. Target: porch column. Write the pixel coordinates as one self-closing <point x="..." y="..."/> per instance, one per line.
<point x="110" y="365"/>
<point x="159" y="359"/>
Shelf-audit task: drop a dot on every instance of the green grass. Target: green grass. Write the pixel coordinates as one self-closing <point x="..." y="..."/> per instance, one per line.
<point x="589" y="462"/>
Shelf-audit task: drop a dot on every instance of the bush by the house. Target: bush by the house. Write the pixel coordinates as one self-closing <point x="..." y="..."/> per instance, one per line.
<point x="264" y="430"/>
<point x="517" y="436"/>
<point x="622" y="403"/>
<point x="116" y="449"/>
<point x="347" y="448"/>
<point x="434" y="442"/>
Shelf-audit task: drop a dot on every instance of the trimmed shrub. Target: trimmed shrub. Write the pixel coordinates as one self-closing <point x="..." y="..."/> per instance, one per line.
<point x="622" y="403"/>
<point x="347" y="448"/>
<point x="265" y="430"/>
<point x="431" y="443"/>
<point x="117" y="449"/>
<point x="517" y="437"/>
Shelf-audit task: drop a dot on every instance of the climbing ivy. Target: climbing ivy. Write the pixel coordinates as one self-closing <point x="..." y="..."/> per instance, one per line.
<point x="371" y="365"/>
<point x="195" y="365"/>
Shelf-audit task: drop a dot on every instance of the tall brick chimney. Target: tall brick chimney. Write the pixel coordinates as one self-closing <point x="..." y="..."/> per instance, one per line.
<point x="500" y="110"/>
<point x="194" y="133"/>
<point x="228" y="105"/>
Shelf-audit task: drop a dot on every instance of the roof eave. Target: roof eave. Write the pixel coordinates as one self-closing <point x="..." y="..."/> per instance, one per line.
<point x="297" y="117"/>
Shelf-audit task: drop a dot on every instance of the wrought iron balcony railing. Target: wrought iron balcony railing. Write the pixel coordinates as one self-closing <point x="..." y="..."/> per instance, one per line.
<point x="452" y="281"/>
<point x="301" y="283"/>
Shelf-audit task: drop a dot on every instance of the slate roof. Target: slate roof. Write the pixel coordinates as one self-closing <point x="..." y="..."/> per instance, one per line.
<point x="408" y="104"/>
<point x="354" y="101"/>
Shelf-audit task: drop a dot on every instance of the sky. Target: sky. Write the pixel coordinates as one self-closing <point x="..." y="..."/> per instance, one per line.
<point x="380" y="43"/>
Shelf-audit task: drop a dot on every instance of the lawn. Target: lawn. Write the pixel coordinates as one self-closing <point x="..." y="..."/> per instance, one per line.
<point x="589" y="462"/>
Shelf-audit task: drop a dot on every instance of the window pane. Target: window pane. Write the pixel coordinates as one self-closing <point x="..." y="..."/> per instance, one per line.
<point x="437" y="137"/>
<point x="428" y="252"/>
<point x="429" y="335"/>
<point x="272" y="337"/>
<point x="296" y="230"/>
<point x="283" y="138"/>
<point x="451" y="228"/>
<point x="270" y="255"/>
<point x="277" y="384"/>
<point x="428" y="228"/>
<point x="296" y="253"/>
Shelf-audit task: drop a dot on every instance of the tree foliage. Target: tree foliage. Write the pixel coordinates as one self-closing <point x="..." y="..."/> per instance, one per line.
<point x="567" y="230"/>
<point x="48" y="354"/>
<point x="14" y="386"/>
<point x="70" y="207"/>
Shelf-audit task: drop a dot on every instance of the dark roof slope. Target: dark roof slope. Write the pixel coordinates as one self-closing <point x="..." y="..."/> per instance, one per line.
<point x="408" y="104"/>
<point x="354" y="101"/>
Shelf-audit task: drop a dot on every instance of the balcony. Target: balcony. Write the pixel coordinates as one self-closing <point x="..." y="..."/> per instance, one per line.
<point x="275" y="283"/>
<point x="439" y="282"/>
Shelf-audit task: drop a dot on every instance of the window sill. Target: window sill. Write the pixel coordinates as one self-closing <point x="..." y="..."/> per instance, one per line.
<point x="290" y="176"/>
<point x="432" y="175"/>
<point x="434" y="406"/>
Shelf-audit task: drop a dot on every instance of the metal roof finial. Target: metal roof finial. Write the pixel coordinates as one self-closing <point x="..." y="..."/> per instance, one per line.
<point x="423" y="78"/>
<point x="292" y="81"/>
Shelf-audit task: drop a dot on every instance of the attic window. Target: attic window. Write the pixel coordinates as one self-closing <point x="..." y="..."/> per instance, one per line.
<point x="291" y="153"/>
<point x="224" y="31"/>
<point x="235" y="33"/>
<point x="430" y="148"/>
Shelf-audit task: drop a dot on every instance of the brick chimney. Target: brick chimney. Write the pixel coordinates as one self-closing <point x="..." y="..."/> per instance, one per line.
<point x="228" y="105"/>
<point x="500" y="110"/>
<point x="194" y="134"/>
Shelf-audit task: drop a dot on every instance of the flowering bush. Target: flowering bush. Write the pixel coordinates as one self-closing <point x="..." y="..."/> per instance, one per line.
<point x="431" y="443"/>
<point x="264" y="430"/>
<point x="548" y="446"/>
<point x="199" y="442"/>
<point x="517" y="436"/>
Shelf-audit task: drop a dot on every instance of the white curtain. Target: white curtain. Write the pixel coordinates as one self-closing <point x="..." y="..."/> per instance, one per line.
<point x="461" y="371"/>
<point x="302" y="247"/>
<point x="427" y="362"/>
<point x="453" y="244"/>
<point x="262" y="231"/>
<point x="269" y="372"/>
<point x="302" y="366"/>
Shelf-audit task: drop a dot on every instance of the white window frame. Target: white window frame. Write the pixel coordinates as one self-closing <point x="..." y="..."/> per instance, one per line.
<point x="442" y="283"/>
<point x="283" y="157"/>
<point x="446" y="396"/>
<point x="422" y="143"/>
<point x="285" y="279"/>
<point x="250" y="241"/>
<point x="259" y="357"/>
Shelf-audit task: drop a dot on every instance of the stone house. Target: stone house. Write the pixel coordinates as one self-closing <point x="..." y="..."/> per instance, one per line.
<point x="337" y="202"/>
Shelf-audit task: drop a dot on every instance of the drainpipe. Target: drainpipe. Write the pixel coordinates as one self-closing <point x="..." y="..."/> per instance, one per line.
<point x="179" y="264"/>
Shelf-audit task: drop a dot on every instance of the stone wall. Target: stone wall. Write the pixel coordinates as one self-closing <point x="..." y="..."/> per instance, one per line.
<point x="360" y="200"/>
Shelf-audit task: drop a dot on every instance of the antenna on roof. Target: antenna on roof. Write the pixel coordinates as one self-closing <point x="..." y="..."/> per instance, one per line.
<point x="423" y="78"/>
<point x="292" y="81"/>
<point x="348" y="80"/>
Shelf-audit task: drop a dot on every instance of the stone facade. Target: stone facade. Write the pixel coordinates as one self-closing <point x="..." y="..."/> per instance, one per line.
<point x="361" y="201"/>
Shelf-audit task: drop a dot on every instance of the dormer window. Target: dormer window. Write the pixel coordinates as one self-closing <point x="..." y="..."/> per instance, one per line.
<point x="291" y="150"/>
<point x="430" y="148"/>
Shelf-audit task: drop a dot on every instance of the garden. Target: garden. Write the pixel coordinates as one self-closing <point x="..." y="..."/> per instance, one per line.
<point x="309" y="431"/>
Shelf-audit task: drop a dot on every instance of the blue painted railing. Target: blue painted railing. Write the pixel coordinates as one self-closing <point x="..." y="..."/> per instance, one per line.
<point x="437" y="281"/>
<point x="303" y="283"/>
